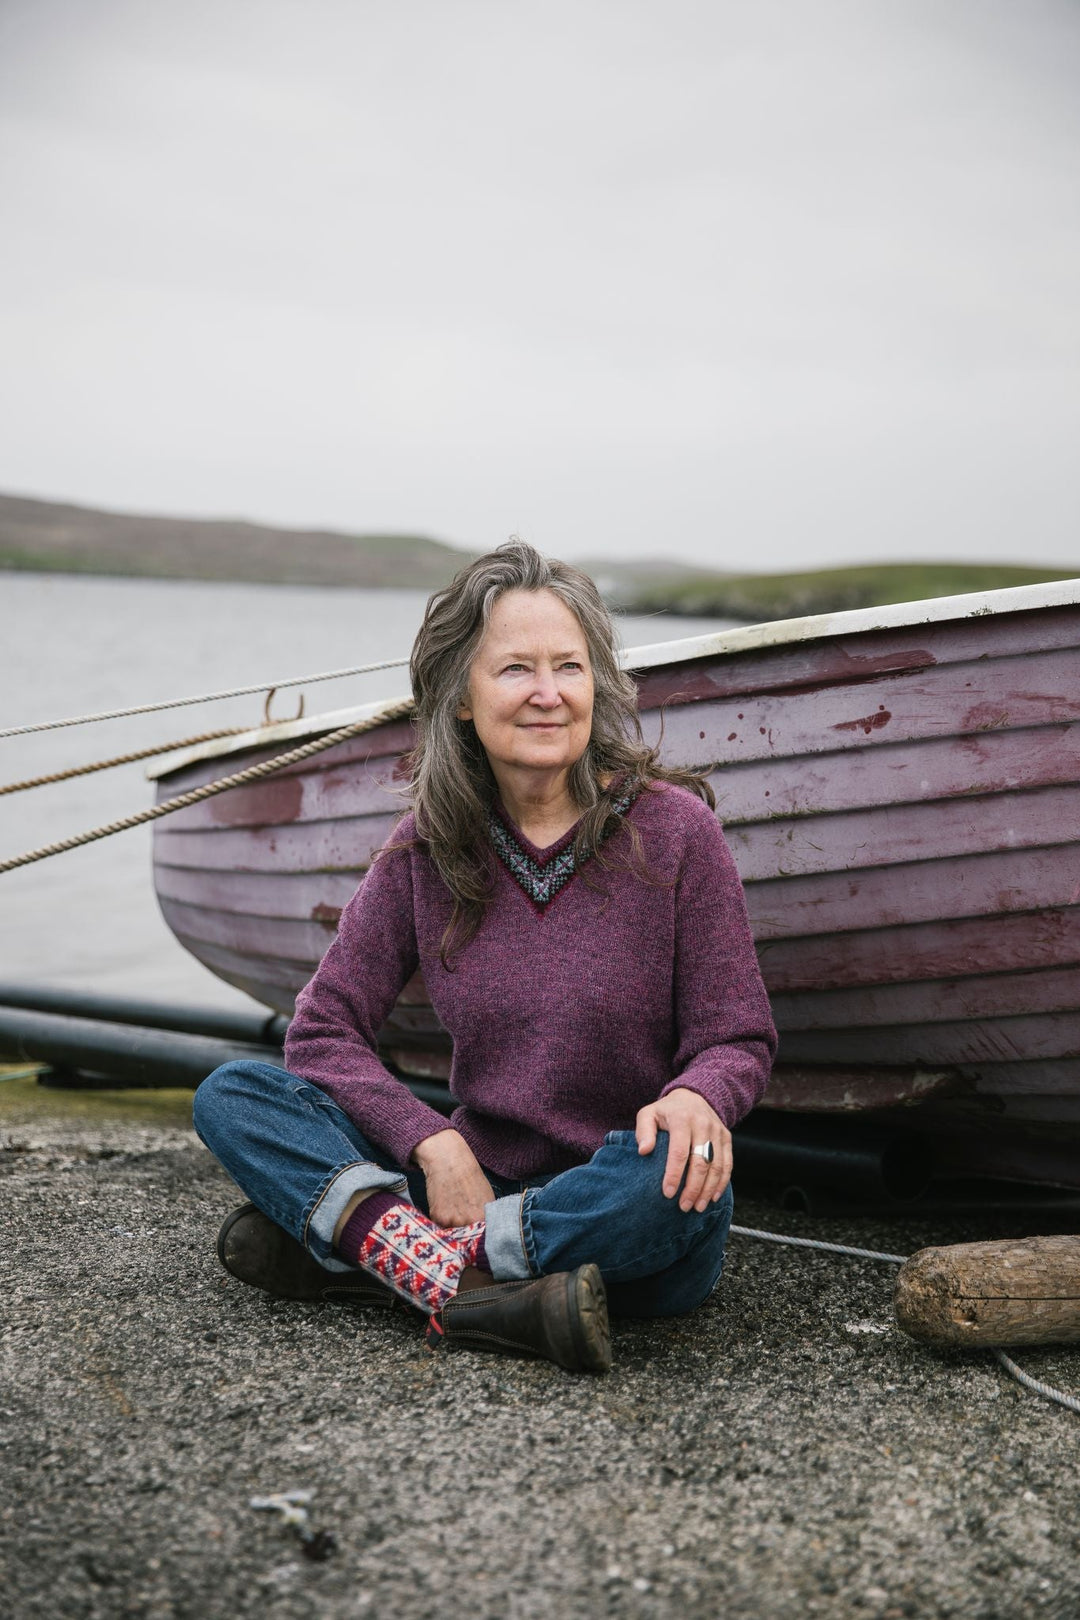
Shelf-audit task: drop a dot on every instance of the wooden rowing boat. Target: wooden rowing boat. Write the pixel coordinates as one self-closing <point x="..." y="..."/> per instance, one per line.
<point x="901" y="791"/>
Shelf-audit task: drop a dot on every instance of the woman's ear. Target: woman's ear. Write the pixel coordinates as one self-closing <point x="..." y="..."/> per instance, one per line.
<point x="463" y="711"/>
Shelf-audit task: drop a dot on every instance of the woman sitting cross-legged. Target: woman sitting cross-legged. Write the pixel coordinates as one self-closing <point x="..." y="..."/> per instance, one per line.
<point x="582" y="934"/>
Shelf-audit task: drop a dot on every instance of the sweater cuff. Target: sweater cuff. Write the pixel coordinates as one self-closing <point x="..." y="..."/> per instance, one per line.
<point x="409" y="1123"/>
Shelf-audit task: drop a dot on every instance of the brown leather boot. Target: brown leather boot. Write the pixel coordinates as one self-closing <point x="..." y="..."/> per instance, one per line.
<point x="252" y="1248"/>
<point x="561" y="1318"/>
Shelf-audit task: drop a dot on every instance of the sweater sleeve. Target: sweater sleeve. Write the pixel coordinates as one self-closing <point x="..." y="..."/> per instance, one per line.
<point x="726" y="1036"/>
<point x="331" y="1040"/>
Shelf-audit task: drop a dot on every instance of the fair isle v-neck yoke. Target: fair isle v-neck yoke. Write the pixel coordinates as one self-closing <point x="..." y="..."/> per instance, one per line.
<point x="541" y="873"/>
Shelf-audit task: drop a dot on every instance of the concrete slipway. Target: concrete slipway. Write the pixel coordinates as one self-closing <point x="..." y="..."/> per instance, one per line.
<point x="785" y="1452"/>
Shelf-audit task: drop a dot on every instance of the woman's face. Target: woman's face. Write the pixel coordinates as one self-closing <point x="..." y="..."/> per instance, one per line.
<point x="530" y="685"/>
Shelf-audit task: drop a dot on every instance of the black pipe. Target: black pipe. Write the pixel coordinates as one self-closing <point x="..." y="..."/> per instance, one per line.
<point x="263" y="1028"/>
<point x="808" y="1153"/>
<point x="149" y="1057"/>
<point x="134" y="1056"/>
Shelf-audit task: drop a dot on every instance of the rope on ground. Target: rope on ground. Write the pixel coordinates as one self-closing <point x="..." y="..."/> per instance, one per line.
<point x="814" y="1243"/>
<point x="1047" y="1391"/>
<point x="203" y="697"/>
<point x="119" y="759"/>
<point x="254" y="773"/>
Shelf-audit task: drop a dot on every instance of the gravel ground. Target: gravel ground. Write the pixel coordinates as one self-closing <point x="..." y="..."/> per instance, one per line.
<point x="786" y="1451"/>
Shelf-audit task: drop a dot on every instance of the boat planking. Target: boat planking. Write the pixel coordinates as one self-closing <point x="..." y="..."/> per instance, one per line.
<point x="900" y="788"/>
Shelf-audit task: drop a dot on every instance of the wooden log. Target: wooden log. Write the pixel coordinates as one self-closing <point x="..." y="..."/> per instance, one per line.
<point x="1001" y="1293"/>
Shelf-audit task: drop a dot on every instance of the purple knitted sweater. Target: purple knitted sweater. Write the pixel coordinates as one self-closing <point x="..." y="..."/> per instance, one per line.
<point x="567" y="1015"/>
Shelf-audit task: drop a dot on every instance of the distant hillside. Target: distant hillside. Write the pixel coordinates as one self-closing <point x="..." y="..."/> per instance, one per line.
<point x="653" y="588"/>
<point x="45" y="536"/>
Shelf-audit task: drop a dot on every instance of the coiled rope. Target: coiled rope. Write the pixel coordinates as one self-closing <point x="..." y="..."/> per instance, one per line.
<point x="118" y="759"/>
<point x="203" y="697"/>
<point x="253" y="773"/>
<point x="1047" y="1391"/>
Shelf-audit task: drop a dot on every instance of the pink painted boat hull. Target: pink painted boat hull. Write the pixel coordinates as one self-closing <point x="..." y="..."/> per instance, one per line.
<point x="903" y="804"/>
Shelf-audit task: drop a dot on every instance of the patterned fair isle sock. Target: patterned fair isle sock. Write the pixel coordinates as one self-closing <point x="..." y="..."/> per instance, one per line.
<point x="397" y="1243"/>
<point x="470" y="1241"/>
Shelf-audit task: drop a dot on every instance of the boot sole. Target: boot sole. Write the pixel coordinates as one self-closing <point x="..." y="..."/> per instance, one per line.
<point x="588" y="1313"/>
<point x="264" y="1261"/>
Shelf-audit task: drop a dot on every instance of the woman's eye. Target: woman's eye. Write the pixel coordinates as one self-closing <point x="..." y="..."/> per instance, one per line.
<point x="515" y="669"/>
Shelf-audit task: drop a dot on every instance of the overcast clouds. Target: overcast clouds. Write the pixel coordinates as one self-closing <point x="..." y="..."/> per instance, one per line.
<point x="753" y="284"/>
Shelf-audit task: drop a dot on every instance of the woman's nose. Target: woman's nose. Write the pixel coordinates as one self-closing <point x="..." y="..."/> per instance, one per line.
<point x="545" y="693"/>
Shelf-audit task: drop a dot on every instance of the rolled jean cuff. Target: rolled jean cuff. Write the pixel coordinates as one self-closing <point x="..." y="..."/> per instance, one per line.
<point x="504" y="1243"/>
<point x="328" y="1206"/>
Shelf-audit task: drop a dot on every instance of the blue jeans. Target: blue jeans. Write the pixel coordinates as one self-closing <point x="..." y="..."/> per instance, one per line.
<point x="300" y="1160"/>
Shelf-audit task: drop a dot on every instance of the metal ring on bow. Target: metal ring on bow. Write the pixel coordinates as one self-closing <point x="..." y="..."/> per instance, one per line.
<point x="704" y="1150"/>
<point x="269" y="721"/>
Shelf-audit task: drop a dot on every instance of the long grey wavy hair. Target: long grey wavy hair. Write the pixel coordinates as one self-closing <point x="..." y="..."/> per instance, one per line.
<point x="451" y="781"/>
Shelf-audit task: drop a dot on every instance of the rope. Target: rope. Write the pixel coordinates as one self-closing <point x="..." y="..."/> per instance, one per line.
<point x="813" y="1243"/>
<point x="1047" y="1391"/>
<point x="626" y="656"/>
<point x="118" y="759"/>
<point x="203" y="697"/>
<point x="392" y="711"/>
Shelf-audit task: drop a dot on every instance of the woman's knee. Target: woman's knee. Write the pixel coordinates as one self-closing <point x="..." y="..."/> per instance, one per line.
<point x="641" y="1174"/>
<point x="227" y="1091"/>
<point x="634" y="1191"/>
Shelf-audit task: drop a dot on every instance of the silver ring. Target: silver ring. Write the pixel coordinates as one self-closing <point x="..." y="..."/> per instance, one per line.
<point x="704" y="1150"/>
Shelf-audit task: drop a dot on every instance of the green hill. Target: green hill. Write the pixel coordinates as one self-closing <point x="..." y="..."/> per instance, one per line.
<point x="45" y="536"/>
<point x="825" y="590"/>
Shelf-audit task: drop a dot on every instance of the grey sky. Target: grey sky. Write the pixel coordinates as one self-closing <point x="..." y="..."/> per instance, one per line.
<point x="753" y="284"/>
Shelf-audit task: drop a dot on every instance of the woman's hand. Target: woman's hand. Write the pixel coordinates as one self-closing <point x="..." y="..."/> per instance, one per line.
<point x="689" y="1122"/>
<point x="457" y="1188"/>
